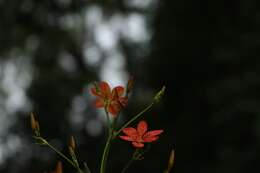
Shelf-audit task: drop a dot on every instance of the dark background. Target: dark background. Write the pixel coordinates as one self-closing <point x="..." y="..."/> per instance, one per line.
<point x="205" y="52"/>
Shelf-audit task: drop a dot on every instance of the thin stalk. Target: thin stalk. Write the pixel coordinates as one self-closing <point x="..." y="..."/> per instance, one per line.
<point x="114" y="123"/>
<point x="108" y="144"/>
<point x="44" y="142"/>
<point x="133" y="119"/>
<point x="62" y="155"/>
<point x="108" y="121"/>
<point x="111" y="127"/>
<point x="127" y="165"/>
<point x="105" y="154"/>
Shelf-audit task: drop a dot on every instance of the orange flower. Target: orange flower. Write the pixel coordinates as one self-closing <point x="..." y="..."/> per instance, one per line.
<point x="140" y="135"/>
<point x="113" y="100"/>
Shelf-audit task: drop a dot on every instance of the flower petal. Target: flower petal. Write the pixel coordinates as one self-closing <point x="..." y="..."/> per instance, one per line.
<point x="138" y="144"/>
<point x="99" y="103"/>
<point x="152" y="133"/>
<point x="142" y="128"/>
<point x="150" y="139"/>
<point x="118" y="91"/>
<point x="113" y="109"/>
<point x="105" y="89"/>
<point x="130" y="131"/>
<point x="126" y="138"/>
<point x="123" y="101"/>
<point x="93" y="90"/>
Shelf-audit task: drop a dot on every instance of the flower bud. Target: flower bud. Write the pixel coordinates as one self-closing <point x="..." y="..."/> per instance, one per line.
<point x="72" y="143"/>
<point x="58" y="167"/>
<point x="72" y="153"/>
<point x="37" y="125"/>
<point x="130" y="84"/>
<point x="33" y="122"/>
<point x="171" y="160"/>
<point x="159" y="95"/>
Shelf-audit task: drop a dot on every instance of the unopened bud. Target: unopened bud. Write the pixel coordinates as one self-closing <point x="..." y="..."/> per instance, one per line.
<point x="58" y="167"/>
<point x="72" y="143"/>
<point x="72" y="153"/>
<point x="130" y="84"/>
<point x="171" y="160"/>
<point x="159" y="95"/>
<point x="37" y="126"/>
<point x="33" y="122"/>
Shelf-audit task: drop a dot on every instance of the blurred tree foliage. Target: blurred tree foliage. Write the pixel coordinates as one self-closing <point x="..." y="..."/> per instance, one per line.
<point x="205" y="52"/>
<point x="38" y="29"/>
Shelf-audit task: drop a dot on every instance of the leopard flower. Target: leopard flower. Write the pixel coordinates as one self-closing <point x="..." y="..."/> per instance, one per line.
<point x="140" y="135"/>
<point x="113" y="100"/>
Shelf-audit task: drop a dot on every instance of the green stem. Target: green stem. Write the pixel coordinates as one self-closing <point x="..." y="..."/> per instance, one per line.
<point x="76" y="166"/>
<point x="111" y="127"/>
<point x="105" y="154"/>
<point x="114" y="123"/>
<point x="62" y="155"/>
<point x="42" y="141"/>
<point x="127" y="165"/>
<point x="133" y="119"/>
<point x="108" y="143"/>
<point x="108" y="120"/>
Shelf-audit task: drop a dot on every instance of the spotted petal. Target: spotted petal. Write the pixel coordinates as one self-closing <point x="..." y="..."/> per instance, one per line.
<point x="123" y="101"/>
<point x="126" y="138"/>
<point x="142" y="128"/>
<point x="130" y="131"/>
<point x="150" y="139"/>
<point x="151" y="134"/>
<point x="113" y="108"/>
<point x="138" y="144"/>
<point x="99" y="103"/>
<point x="105" y="89"/>
<point x="118" y="91"/>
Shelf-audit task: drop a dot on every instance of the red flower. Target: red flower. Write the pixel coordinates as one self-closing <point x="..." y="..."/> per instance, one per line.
<point x="113" y="100"/>
<point x="140" y="135"/>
